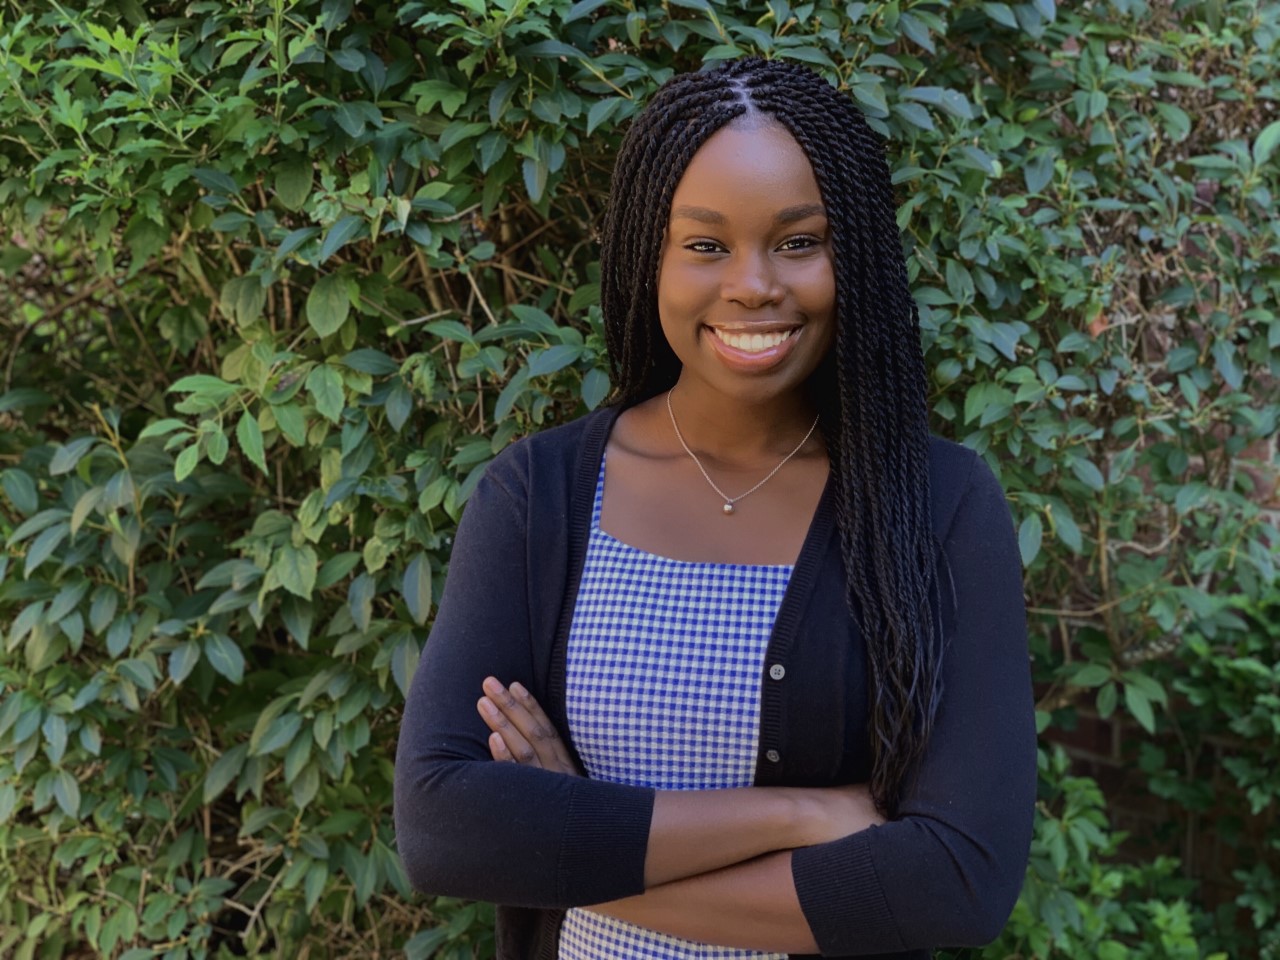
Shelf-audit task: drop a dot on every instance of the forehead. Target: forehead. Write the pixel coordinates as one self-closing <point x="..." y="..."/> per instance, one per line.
<point x="748" y="169"/>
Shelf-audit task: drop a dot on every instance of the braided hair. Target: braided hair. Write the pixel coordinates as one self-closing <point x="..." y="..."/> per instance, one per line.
<point x="870" y="390"/>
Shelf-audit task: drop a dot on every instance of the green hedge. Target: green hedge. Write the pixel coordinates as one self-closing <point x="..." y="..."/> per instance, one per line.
<point x="281" y="276"/>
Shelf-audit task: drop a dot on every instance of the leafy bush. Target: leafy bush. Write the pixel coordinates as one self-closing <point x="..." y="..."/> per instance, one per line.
<point x="283" y="275"/>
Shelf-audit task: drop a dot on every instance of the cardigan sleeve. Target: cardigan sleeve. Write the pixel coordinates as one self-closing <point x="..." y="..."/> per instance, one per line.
<point x="948" y="869"/>
<point x="467" y="826"/>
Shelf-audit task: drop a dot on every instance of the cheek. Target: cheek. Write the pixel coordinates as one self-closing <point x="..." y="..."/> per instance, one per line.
<point x="684" y="287"/>
<point x="815" y="286"/>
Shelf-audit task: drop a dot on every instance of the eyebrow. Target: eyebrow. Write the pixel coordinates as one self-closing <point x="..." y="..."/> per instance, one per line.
<point x="784" y="216"/>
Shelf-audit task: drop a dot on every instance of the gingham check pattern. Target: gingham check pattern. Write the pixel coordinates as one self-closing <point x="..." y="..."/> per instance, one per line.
<point x="664" y="667"/>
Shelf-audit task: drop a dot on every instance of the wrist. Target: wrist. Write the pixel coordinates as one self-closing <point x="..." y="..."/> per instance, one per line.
<point x="793" y="811"/>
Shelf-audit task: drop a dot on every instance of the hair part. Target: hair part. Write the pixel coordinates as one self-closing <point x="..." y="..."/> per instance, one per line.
<point x="870" y="390"/>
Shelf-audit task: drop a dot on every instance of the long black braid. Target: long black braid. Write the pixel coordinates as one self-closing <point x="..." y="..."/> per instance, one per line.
<point x="870" y="390"/>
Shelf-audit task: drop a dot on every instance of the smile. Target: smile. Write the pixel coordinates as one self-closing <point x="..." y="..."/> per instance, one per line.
<point x="753" y="353"/>
<point x="752" y="342"/>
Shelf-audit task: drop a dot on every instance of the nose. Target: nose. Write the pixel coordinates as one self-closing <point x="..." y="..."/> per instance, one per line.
<point x="751" y="280"/>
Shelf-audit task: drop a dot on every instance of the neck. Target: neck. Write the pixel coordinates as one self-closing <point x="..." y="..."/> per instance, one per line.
<point x="738" y="432"/>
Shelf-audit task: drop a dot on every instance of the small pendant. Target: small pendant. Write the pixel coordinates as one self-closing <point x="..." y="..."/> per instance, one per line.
<point x="728" y="508"/>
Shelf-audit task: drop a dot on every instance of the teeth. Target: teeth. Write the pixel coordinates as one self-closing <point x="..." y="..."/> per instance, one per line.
<point x="752" y="342"/>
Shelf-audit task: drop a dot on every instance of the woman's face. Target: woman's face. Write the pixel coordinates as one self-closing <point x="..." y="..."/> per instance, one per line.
<point x="746" y="284"/>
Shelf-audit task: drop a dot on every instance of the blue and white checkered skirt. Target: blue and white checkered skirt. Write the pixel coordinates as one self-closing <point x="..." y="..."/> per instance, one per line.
<point x="665" y="660"/>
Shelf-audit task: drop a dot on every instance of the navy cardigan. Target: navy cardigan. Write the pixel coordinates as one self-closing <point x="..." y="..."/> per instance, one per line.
<point x="945" y="872"/>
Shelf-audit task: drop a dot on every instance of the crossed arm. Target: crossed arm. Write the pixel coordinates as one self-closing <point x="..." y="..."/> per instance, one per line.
<point x="757" y="867"/>
<point x="718" y="863"/>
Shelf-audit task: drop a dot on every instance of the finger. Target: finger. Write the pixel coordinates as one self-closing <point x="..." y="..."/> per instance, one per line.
<point x="540" y="736"/>
<point x="498" y="749"/>
<point x="557" y="745"/>
<point x="517" y="746"/>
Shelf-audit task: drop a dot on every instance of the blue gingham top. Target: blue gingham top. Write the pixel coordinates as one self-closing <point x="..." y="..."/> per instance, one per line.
<point x="662" y="690"/>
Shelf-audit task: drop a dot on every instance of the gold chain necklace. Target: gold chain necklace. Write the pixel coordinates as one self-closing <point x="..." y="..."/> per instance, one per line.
<point x="730" y="501"/>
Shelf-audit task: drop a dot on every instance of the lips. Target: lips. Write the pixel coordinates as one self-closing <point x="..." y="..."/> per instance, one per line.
<point x="751" y="341"/>
<point x="754" y="348"/>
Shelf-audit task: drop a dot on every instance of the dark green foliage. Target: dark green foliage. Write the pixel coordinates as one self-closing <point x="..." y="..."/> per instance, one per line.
<point x="282" y="276"/>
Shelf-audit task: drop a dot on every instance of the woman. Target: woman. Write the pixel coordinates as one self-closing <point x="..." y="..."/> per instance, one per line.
<point x="777" y="624"/>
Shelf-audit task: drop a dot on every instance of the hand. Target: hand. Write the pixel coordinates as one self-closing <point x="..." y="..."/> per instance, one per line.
<point x="522" y="733"/>
<point x="829" y="813"/>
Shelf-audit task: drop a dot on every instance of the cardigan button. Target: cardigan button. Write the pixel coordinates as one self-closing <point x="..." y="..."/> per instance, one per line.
<point x="777" y="671"/>
<point x="773" y="756"/>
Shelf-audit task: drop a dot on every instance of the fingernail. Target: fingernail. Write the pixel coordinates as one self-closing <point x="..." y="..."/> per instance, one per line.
<point x="488" y="707"/>
<point x="518" y="689"/>
<point x="492" y="685"/>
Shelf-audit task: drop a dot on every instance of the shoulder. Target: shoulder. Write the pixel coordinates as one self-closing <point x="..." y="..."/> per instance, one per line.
<point x="958" y="475"/>
<point x="525" y="467"/>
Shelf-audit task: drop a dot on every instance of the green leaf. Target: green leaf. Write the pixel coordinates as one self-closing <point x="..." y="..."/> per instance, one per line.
<point x="1087" y="472"/>
<point x="68" y="455"/>
<point x="535" y="177"/>
<point x="314" y="884"/>
<point x="54" y="729"/>
<point x="249" y="436"/>
<point x="370" y="361"/>
<point x="8" y="802"/>
<point x="399" y="405"/>
<point x="425" y="943"/>
<point x="1038" y="170"/>
<point x="553" y="358"/>
<point x="43" y="546"/>
<point x="215" y="181"/>
<point x="230" y="221"/>
<point x="203" y="384"/>
<point x="297" y="617"/>
<point x="1091" y="675"/>
<point x="340" y="234"/>
<point x="279" y="733"/>
<point x="416" y="587"/>
<point x="325" y="386"/>
<point x="103" y="608"/>
<point x="328" y="304"/>
<point x="223" y="770"/>
<point x="404" y="661"/>
<point x="119" y="636"/>
<point x="186" y="462"/>
<point x="1030" y="534"/>
<point x="33" y="525"/>
<point x="601" y="111"/>
<point x="296" y="569"/>
<point x="66" y="790"/>
<point x="1001" y="14"/>
<point x="217" y="447"/>
<point x="224" y="656"/>
<point x="21" y="490"/>
<point x="243" y="299"/>
<point x="595" y="387"/>
<point x="293" y="240"/>
<point x="1266" y="144"/>
<point x="360" y="600"/>
<point x="1066" y="529"/>
<point x="336" y="567"/>
<point x="451" y="330"/>
<point x="183" y="660"/>
<point x="1140" y="706"/>
<point x="291" y="422"/>
<point x="555" y="48"/>
<point x="293" y="183"/>
<point x="1227" y="362"/>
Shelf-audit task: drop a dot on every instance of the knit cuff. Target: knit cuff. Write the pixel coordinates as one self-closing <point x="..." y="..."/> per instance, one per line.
<point x="606" y="839"/>
<point x="841" y="898"/>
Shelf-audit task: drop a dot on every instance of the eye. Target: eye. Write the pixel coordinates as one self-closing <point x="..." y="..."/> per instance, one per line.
<point x="803" y="242"/>
<point x="703" y="246"/>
